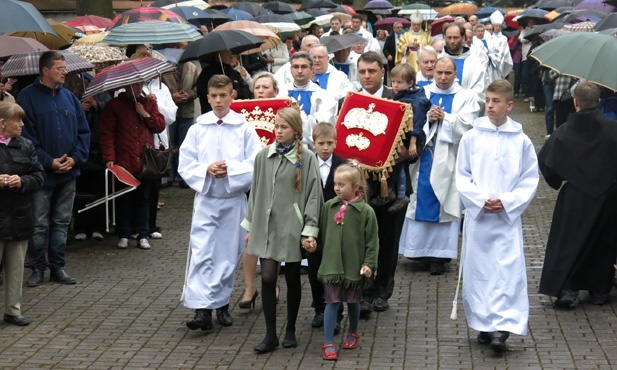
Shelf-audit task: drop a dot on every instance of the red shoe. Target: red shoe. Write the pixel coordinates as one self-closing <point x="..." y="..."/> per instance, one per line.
<point x="330" y="355"/>
<point x="351" y="344"/>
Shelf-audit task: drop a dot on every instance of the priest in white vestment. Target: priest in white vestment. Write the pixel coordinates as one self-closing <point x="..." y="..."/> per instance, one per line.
<point x="432" y="222"/>
<point x="216" y="161"/>
<point x="497" y="176"/>
<point x="500" y="60"/>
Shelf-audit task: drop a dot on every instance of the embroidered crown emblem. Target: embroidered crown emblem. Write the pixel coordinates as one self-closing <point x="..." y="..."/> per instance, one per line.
<point x="369" y="120"/>
<point x="263" y="120"/>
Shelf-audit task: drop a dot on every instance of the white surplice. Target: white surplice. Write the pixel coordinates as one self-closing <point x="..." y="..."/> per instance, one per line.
<point x="500" y="60"/>
<point x="440" y="239"/>
<point x="498" y="163"/>
<point x="217" y="240"/>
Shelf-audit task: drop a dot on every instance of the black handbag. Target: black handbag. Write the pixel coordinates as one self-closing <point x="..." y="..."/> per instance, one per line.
<point x="156" y="163"/>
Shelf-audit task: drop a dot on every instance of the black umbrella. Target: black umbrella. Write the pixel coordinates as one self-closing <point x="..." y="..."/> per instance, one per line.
<point x="552" y="4"/>
<point x="341" y="42"/>
<point x="218" y="17"/>
<point x="271" y="18"/>
<point x="21" y="16"/>
<point x="606" y="23"/>
<point x="300" y="18"/>
<point x="310" y="4"/>
<point x="585" y="15"/>
<point x="279" y="7"/>
<point x="534" y="34"/>
<point x="250" y="8"/>
<point x="317" y="12"/>
<point x="235" y="41"/>
<point x="487" y="11"/>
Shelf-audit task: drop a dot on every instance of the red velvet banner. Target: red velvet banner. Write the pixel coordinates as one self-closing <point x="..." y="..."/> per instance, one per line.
<point x="370" y="130"/>
<point x="260" y="113"/>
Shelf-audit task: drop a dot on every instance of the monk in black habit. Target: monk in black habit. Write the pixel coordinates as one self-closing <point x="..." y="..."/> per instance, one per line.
<point x="581" y="158"/>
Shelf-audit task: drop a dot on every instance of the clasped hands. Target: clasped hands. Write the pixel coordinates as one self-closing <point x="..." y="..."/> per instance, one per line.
<point x="493" y="206"/>
<point x="10" y="181"/>
<point x="218" y="170"/>
<point x="436" y="113"/>
<point x="63" y="164"/>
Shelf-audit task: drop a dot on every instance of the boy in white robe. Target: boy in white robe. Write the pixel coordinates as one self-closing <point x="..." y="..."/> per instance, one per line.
<point x="497" y="176"/>
<point x="216" y="160"/>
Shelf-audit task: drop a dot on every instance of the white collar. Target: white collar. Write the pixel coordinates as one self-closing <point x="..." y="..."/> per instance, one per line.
<point x="328" y="162"/>
<point x="377" y="93"/>
<point x="210" y="118"/>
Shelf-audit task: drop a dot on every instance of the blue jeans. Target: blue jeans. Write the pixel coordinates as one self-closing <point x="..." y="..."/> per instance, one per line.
<point x="177" y="133"/>
<point x="549" y="115"/>
<point x="52" y="212"/>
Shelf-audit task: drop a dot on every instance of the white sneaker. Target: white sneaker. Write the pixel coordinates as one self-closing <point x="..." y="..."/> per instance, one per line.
<point x="97" y="236"/>
<point x="548" y="136"/>
<point x="143" y="244"/>
<point x="123" y="243"/>
<point x="81" y="236"/>
<point x="156" y="235"/>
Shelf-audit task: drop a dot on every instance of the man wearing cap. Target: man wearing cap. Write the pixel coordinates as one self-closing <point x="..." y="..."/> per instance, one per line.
<point x="500" y="61"/>
<point x="412" y="41"/>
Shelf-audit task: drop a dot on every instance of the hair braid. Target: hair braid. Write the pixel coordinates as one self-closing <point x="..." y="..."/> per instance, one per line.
<point x="298" y="181"/>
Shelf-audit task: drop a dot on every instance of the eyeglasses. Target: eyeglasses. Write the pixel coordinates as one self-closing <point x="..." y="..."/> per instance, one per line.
<point x="60" y="69"/>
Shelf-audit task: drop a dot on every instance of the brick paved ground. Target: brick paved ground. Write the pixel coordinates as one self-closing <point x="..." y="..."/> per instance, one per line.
<point x="125" y="312"/>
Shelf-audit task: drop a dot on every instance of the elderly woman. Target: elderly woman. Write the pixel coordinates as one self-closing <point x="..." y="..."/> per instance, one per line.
<point x="128" y="123"/>
<point x="21" y="175"/>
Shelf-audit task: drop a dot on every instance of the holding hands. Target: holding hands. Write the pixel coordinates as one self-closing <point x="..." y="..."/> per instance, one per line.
<point x="366" y="271"/>
<point x="309" y="244"/>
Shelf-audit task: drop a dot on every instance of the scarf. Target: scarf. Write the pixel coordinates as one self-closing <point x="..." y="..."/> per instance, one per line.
<point x="283" y="149"/>
<point x="3" y="140"/>
<point x="339" y="217"/>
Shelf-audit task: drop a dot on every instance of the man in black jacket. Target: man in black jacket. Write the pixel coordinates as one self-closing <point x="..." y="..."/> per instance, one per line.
<point x="389" y="48"/>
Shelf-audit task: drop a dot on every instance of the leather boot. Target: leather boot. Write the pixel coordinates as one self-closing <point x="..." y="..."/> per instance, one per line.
<point x="498" y="344"/>
<point x="223" y="316"/>
<point x="60" y="276"/>
<point x="36" y="278"/>
<point x="202" y="320"/>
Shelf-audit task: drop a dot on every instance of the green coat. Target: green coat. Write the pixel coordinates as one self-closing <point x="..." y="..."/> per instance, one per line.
<point x="278" y="216"/>
<point x="348" y="246"/>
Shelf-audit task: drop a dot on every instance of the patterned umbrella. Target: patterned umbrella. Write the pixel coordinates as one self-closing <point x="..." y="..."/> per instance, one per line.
<point x="144" y="13"/>
<point x="99" y="54"/>
<point x="378" y="4"/>
<point x="10" y="45"/>
<point x="152" y="32"/>
<point x="279" y="7"/>
<point x="579" y="27"/>
<point x="93" y="39"/>
<point x="124" y="74"/>
<point x="28" y="64"/>
<point x="89" y="20"/>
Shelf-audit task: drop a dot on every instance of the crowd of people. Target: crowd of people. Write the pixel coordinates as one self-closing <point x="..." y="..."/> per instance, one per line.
<point x="463" y="156"/>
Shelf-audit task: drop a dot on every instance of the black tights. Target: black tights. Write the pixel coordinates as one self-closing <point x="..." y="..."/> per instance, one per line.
<point x="269" y="272"/>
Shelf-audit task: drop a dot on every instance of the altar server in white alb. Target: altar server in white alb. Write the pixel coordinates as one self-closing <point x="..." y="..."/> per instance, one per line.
<point x="216" y="160"/>
<point x="432" y="223"/>
<point x="497" y="176"/>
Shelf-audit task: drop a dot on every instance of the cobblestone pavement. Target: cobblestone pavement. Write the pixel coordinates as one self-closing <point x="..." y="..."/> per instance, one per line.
<point x="125" y="312"/>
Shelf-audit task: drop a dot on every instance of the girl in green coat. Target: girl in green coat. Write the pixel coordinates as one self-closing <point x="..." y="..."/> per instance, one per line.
<point x="348" y="236"/>
<point x="283" y="209"/>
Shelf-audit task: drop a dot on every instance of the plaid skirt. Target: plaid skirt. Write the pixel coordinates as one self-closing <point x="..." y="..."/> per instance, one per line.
<point x="334" y="293"/>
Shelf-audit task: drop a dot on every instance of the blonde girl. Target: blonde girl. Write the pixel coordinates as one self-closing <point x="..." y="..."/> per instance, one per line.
<point x="348" y="237"/>
<point x="283" y="210"/>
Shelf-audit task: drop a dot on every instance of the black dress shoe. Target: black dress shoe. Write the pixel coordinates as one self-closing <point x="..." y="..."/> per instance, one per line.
<point x="317" y="320"/>
<point x="16" y="320"/>
<point x="267" y="345"/>
<point x="484" y="338"/>
<point x="35" y="279"/>
<point x="380" y="305"/>
<point x="202" y="320"/>
<point x="290" y="340"/>
<point x="365" y="309"/>
<point x="223" y="316"/>
<point x="498" y="344"/>
<point x="437" y="268"/>
<point x="60" y="276"/>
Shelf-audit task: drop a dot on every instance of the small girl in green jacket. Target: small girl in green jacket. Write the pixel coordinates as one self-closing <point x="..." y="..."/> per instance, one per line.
<point x="348" y="237"/>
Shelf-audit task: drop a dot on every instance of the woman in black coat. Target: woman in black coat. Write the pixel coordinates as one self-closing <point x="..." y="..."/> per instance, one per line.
<point x="21" y="175"/>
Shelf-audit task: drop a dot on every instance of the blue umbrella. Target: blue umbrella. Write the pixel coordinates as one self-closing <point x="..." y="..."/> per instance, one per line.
<point x="21" y="16"/>
<point x="486" y="12"/>
<point x="237" y="15"/>
<point x="192" y="14"/>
